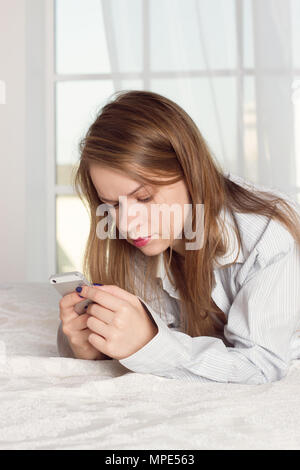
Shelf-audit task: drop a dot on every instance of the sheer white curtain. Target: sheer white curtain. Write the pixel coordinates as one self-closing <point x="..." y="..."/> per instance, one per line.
<point x="274" y="77"/>
<point x="233" y="65"/>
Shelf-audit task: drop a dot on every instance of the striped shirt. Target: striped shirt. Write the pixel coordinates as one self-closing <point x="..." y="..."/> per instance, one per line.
<point x="260" y="296"/>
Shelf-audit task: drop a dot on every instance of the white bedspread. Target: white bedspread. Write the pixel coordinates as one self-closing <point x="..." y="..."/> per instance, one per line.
<point x="48" y="402"/>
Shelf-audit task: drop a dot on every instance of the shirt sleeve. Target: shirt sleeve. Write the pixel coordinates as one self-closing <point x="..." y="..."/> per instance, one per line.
<point x="261" y="322"/>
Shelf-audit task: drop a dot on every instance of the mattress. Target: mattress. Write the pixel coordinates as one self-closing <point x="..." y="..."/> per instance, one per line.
<point x="51" y="402"/>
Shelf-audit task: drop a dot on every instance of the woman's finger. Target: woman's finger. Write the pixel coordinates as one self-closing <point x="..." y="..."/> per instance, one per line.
<point x="105" y="299"/>
<point x="99" y="327"/>
<point x="81" y="339"/>
<point x="68" y="301"/>
<point x="101" y="313"/>
<point x="80" y="323"/>
<point x="98" y="342"/>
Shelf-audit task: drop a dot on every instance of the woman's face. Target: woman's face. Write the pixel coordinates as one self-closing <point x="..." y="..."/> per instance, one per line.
<point x="133" y="224"/>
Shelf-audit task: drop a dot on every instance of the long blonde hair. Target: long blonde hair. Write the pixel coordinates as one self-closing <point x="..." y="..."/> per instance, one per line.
<point x="150" y="138"/>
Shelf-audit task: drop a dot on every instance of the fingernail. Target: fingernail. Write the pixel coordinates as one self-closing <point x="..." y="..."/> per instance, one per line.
<point x="79" y="289"/>
<point x="97" y="284"/>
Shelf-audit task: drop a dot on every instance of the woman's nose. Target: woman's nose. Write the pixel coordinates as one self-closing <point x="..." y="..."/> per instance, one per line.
<point x="130" y="223"/>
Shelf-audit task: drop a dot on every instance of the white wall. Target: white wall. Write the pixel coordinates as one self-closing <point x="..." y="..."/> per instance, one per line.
<point x="23" y="241"/>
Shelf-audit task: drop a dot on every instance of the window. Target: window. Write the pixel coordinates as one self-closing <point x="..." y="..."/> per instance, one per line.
<point x="203" y="54"/>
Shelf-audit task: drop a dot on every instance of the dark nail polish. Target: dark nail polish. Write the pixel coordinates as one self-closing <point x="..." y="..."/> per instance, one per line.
<point x="97" y="284"/>
<point x="78" y="289"/>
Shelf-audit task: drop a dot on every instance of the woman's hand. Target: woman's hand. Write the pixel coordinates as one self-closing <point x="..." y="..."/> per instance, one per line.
<point x="118" y="321"/>
<point x="74" y="326"/>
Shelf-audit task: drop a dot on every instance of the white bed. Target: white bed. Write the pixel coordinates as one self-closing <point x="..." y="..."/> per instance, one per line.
<point x="49" y="402"/>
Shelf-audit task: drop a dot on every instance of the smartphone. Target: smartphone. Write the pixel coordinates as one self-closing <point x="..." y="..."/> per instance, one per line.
<point x="66" y="283"/>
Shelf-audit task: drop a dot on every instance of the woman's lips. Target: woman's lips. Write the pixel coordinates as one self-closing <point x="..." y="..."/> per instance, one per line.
<point x="141" y="241"/>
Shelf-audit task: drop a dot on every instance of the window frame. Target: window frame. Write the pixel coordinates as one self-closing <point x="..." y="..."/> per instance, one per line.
<point x="54" y="190"/>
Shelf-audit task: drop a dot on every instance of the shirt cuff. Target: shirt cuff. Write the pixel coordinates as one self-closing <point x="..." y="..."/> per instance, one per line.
<point x="162" y="353"/>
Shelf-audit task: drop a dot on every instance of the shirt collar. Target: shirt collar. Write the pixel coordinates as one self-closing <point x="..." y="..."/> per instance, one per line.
<point x="162" y="274"/>
<point x="232" y="251"/>
<point x="220" y="261"/>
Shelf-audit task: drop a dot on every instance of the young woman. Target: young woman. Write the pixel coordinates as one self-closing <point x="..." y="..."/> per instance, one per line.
<point x="228" y="311"/>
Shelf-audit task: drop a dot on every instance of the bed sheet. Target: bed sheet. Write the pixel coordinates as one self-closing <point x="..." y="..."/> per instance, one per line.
<point x="50" y="402"/>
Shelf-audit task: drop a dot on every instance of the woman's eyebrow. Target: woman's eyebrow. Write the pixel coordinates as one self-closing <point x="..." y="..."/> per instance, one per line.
<point x="130" y="194"/>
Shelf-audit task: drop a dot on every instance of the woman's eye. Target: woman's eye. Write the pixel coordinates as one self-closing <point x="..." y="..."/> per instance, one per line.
<point x="148" y="199"/>
<point x="145" y="200"/>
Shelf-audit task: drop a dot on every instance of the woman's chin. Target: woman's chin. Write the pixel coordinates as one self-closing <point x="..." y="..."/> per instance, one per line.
<point x="155" y="246"/>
